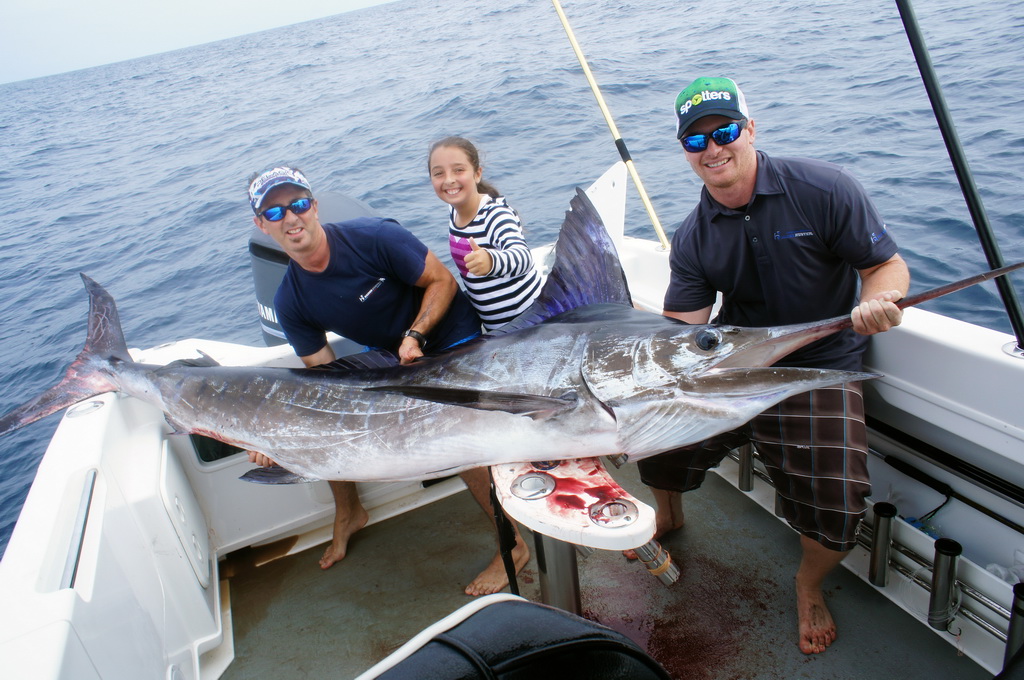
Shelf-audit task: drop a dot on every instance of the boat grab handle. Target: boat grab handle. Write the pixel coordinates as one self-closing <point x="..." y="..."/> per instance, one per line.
<point x="78" y="532"/>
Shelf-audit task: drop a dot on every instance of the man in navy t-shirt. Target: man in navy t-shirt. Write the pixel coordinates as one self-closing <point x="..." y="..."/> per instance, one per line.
<point x="371" y="290"/>
<point x="374" y="282"/>
<point x="784" y="240"/>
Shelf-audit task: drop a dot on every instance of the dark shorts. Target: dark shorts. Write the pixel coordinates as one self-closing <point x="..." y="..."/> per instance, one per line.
<point x="814" y="448"/>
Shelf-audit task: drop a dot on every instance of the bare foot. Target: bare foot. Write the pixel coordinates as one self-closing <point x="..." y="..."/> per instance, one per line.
<point x="344" y="527"/>
<point x="494" y="579"/>
<point x="817" y="630"/>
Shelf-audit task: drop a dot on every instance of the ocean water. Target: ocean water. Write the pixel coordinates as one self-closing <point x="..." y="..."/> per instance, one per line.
<point x="134" y="172"/>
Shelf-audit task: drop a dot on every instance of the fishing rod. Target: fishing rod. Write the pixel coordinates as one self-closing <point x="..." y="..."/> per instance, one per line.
<point x="963" y="171"/>
<point x="619" y="144"/>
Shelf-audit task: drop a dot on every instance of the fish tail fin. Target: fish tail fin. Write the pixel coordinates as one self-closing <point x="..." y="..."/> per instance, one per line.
<point x="84" y="377"/>
<point x="105" y="336"/>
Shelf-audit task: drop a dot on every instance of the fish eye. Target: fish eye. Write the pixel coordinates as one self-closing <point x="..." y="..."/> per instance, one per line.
<point x="708" y="338"/>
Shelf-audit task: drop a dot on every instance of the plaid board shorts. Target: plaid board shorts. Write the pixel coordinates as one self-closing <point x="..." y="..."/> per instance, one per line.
<point x="814" y="448"/>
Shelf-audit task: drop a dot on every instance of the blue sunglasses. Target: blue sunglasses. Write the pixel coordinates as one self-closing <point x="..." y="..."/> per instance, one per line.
<point x="727" y="134"/>
<point x="298" y="206"/>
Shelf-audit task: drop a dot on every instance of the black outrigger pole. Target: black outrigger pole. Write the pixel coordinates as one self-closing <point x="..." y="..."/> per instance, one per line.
<point x="963" y="172"/>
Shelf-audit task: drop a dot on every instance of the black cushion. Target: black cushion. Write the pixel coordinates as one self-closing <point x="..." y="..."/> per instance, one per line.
<point x="521" y="640"/>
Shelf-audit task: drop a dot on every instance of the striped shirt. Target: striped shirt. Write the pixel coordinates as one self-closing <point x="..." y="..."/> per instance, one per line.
<point x="513" y="282"/>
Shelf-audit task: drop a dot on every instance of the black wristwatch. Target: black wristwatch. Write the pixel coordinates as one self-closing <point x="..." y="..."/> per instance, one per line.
<point x="416" y="335"/>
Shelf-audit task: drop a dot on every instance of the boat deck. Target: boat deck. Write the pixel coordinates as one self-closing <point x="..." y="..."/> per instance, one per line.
<point x="730" y="615"/>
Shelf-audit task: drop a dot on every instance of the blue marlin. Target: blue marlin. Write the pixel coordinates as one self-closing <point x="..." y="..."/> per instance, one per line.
<point x="581" y="373"/>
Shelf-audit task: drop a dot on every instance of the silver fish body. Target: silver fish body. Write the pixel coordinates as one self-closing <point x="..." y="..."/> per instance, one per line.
<point x="598" y="380"/>
<point x="581" y="373"/>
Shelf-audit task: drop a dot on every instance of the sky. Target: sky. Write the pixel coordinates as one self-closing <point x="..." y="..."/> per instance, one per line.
<point x="44" y="37"/>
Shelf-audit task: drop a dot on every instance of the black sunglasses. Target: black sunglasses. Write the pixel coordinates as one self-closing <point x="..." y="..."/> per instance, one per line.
<point x="298" y="206"/>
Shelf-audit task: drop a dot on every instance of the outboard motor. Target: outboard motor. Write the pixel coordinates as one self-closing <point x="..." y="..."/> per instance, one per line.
<point x="269" y="261"/>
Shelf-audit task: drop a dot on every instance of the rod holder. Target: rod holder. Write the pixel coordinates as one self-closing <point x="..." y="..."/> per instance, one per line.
<point x="1015" y="633"/>
<point x="618" y="459"/>
<point x="746" y="473"/>
<point x="658" y="562"/>
<point x="947" y="552"/>
<point x="881" y="544"/>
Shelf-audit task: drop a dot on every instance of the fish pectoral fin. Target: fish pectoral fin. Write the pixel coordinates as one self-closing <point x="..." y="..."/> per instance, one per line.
<point x="530" y="405"/>
<point x="275" y="474"/>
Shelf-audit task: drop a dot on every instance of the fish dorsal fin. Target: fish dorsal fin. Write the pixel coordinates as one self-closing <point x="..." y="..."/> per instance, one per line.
<point x="586" y="269"/>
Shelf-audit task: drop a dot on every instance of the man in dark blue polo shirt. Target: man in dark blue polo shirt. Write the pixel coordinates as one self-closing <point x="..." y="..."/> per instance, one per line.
<point x="784" y="240"/>
<point x="374" y="282"/>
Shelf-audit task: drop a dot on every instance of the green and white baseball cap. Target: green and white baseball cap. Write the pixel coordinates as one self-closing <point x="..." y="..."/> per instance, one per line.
<point x="709" y="97"/>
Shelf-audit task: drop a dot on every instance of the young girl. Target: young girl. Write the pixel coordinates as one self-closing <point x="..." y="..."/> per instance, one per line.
<point x="484" y="233"/>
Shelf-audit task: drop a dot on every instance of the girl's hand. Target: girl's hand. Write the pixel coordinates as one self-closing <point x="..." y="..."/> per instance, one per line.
<point x="260" y="459"/>
<point x="479" y="262"/>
